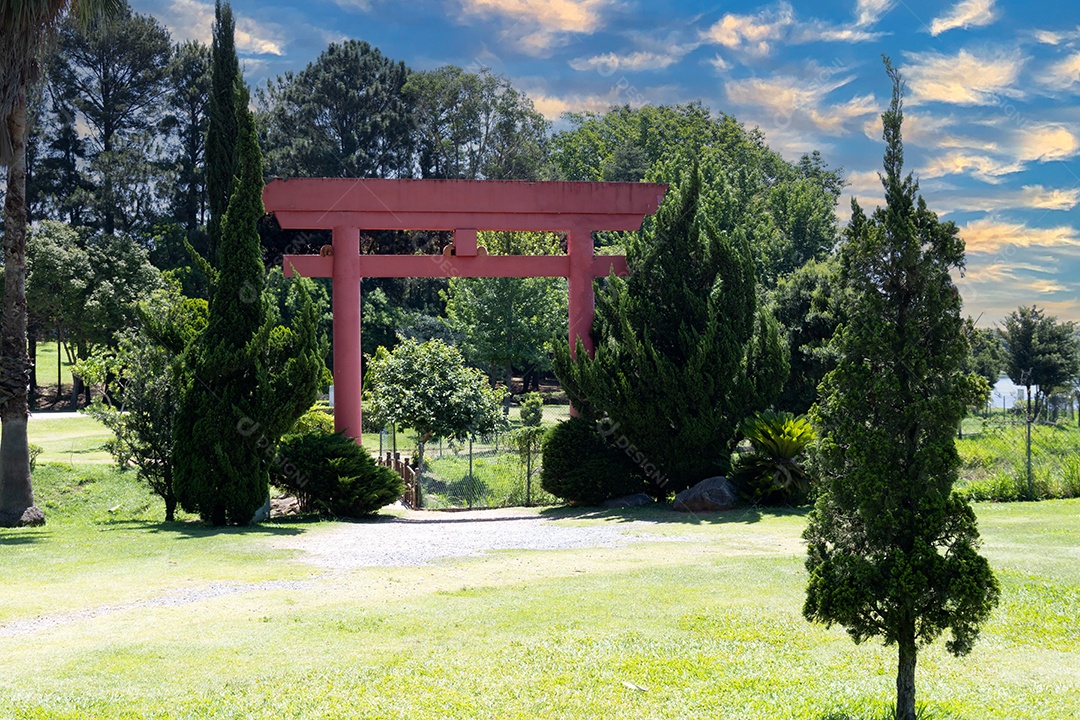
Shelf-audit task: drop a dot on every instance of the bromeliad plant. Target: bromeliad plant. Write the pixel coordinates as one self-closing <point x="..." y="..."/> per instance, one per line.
<point x="771" y="473"/>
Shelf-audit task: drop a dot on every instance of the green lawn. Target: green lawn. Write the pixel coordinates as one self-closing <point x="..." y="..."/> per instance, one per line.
<point x="46" y="367"/>
<point x="703" y="616"/>
<point x="70" y="440"/>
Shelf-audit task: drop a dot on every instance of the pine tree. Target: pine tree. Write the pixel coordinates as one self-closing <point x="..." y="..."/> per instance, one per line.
<point x="246" y="381"/>
<point x="227" y="95"/>
<point x="683" y="353"/>
<point x="892" y="549"/>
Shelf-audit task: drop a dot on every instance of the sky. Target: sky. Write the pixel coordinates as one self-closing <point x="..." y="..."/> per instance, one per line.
<point x="991" y="125"/>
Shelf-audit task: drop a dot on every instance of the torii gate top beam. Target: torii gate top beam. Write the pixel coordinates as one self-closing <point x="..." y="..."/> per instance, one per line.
<point x="376" y="204"/>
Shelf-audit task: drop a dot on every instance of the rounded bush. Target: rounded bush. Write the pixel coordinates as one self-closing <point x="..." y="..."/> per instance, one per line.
<point x="318" y="419"/>
<point x="532" y="409"/>
<point x="331" y="475"/>
<point x="581" y="467"/>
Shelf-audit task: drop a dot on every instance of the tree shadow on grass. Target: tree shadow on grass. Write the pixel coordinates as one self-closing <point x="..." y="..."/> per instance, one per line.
<point x="197" y="529"/>
<point x="23" y="538"/>
<point x="662" y="513"/>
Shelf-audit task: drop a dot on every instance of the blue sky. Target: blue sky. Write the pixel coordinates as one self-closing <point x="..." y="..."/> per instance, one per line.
<point x="992" y="125"/>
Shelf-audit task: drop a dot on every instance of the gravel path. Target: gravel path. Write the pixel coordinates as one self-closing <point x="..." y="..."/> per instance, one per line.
<point x="421" y="538"/>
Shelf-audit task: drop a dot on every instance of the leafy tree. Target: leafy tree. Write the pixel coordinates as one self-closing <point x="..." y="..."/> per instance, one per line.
<point x="787" y="211"/>
<point x="245" y="381"/>
<point x="344" y="115"/>
<point x="892" y="549"/>
<point x="115" y="74"/>
<point x="987" y="356"/>
<point x="189" y="106"/>
<point x="508" y="323"/>
<point x="806" y="305"/>
<point x="683" y="353"/>
<point x="142" y="394"/>
<point x="228" y="95"/>
<point x="475" y="126"/>
<point x="1039" y="352"/>
<point x="428" y="387"/>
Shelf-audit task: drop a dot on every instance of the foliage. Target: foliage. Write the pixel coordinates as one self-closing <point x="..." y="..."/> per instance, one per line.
<point x="189" y="114"/>
<point x="532" y="409"/>
<point x="1040" y="351"/>
<point x="35" y="452"/>
<point x="427" y="387"/>
<point x="142" y="392"/>
<point x="892" y="549"/>
<point x="808" y="311"/>
<point x="581" y="467"/>
<point x="228" y="101"/>
<point x="994" y="461"/>
<point x="317" y="419"/>
<point x="786" y="210"/>
<point x="331" y="475"/>
<point x="245" y="381"/>
<point x="987" y="356"/>
<point x="475" y="126"/>
<point x="508" y="323"/>
<point x="771" y="472"/>
<point x="681" y="346"/>
<point x="111" y="76"/>
<point x="344" y="115"/>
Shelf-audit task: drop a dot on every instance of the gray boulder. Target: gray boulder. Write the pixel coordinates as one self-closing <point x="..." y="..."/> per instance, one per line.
<point x="711" y="494"/>
<point x="628" y="501"/>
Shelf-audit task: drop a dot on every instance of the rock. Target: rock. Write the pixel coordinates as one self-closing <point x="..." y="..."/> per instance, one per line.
<point x="628" y="501"/>
<point x="711" y="494"/>
<point x="284" y="506"/>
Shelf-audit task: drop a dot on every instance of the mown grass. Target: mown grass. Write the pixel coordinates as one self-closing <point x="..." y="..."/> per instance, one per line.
<point x="698" y="619"/>
<point x="77" y="440"/>
<point x="46" y="367"/>
<point x="497" y="480"/>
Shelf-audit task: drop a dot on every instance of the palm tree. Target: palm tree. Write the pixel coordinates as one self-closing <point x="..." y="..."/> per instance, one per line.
<point x="25" y="29"/>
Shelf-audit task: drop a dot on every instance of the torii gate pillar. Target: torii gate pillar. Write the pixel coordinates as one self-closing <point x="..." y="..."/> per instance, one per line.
<point x="463" y="206"/>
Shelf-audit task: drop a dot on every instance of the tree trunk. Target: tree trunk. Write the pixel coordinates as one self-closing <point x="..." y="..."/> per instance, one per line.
<point x="170" y="509"/>
<point x="905" y="677"/>
<point x="16" y="491"/>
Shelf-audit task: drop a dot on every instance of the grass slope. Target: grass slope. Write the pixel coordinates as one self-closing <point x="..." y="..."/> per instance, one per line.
<point x="135" y="618"/>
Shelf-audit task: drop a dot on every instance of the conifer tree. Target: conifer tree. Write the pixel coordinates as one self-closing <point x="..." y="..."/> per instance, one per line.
<point x="246" y="381"/>
<point x="683" y="353"/>
<point x="227" y="94"/>
<point x="892" y="549"/>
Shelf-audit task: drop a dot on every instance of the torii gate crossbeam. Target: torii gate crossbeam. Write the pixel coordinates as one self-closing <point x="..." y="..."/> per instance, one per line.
<point x="347" y="206"/>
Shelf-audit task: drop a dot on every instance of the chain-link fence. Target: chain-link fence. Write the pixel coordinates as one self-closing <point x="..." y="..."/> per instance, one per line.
<point x="1005" y="457"/>
<point x="498" y="470"/>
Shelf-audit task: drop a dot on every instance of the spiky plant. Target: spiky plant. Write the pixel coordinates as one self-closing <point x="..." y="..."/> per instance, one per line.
<point x="772" y="472"/>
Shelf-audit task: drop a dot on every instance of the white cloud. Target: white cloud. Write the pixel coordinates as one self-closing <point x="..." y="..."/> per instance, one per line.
<point x="1045" y="143"/>
<point x="964" y="78"/>
<point x="817" y="31"/>
<point x="537" y="27"/>
<point x="1056" y="37"/>
<point x="787" y="99"/>
<point x="957" y="162"/>
<point x="1028" y="197"/>
<point x="990" y="235"/>
<point x="1063" y="74"/>
<point x="753" y="34"/>
<point x="965" y="14"/>
<point x="552" y="107"/>
<point x="719" y="63"/>
<point x="194" y="20"/>
<point x="867" y="12"/>
<point x="609" y="63"/>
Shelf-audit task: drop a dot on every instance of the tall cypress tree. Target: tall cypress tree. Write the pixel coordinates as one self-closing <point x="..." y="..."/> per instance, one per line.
<point x="892" y="549"/>
<point x="227" y="93"/>
<point x="246" y="381"/>
<point x="683" y="353"/>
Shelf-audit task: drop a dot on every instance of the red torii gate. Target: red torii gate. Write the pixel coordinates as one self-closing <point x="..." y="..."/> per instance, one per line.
<point x="347" y="206"/>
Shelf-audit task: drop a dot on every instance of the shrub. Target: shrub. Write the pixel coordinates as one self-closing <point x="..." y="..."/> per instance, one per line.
<point x="532" y="409"/>
<point x="579" y="466"/>
<point x="331" y="475"/>
<point x="317" y="419"/>
<point x="35" y="450"/>
<point x="771" y="472"/>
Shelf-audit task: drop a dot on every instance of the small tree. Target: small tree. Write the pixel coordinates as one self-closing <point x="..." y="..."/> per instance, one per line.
<point x="246" y="381"/>
<point x="1039" y="352"/>
<point x="143" y="394"/>
<point x="427" y="387"/>
<point x="892" y="549"/>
